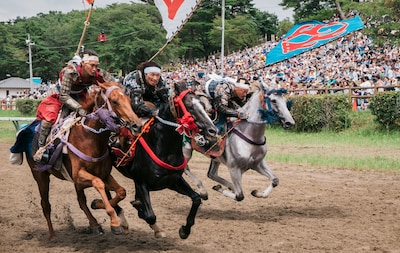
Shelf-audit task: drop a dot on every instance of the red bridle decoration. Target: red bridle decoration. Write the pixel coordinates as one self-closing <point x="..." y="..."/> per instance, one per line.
<point x="186" y="121"/>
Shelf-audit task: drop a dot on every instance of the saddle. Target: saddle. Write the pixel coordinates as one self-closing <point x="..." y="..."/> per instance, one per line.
<point x="59" y="134"/>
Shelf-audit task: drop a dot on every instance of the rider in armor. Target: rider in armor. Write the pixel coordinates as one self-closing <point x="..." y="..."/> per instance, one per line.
<point x="145" y="84"/>
<point x="227" y="96"/>
<point x="74" y="80"/>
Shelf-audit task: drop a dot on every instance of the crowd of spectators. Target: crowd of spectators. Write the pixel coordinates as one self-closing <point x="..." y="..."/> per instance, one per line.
<point x="351" y="61"/>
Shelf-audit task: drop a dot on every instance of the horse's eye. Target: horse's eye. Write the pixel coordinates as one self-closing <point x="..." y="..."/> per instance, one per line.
<point x="115" y="102"/>
<point x="273" y="101"/>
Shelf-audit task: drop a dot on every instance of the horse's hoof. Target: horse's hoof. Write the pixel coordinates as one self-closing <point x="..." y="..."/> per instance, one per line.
<point x="275" y="182"/>
<point x="183" y="234"/>
<point x="93" y="205"/>
<point x="98" y="230"/>
<point x="125" y="229"/>
<point x="160" y="234"/>
<point x="204" y="196"/>
<point x="117" y="230"/>
<point x="217" y="187"/>
<point x="136" y="203"/>
<point x="53" y="238"/>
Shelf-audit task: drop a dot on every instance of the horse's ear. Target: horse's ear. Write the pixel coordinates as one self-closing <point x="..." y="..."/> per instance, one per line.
<point x="180" y="86"/>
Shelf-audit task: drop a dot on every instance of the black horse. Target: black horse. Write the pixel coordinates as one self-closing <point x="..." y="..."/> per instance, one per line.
<point x="158" y="161"/>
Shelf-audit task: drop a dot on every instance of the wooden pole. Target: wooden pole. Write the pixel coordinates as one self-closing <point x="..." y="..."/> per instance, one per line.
<point x="176" y="33"/>
<point x="84" y="29"/>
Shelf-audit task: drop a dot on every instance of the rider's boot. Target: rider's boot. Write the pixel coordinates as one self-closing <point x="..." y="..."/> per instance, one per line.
<point x="40" y="155"/>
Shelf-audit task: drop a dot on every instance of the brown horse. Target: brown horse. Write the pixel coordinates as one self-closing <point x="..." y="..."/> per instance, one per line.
<point x="88" y="162"/>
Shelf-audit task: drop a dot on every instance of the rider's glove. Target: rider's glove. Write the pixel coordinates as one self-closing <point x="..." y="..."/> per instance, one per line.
<point x="81" y="111"/>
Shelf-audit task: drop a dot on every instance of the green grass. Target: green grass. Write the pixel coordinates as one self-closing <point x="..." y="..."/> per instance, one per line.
<point x="364" y="146"/>
<point x="7" y="129"/>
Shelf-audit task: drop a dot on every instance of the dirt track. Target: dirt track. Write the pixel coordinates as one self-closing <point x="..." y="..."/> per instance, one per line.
<point x="312" y="210"/>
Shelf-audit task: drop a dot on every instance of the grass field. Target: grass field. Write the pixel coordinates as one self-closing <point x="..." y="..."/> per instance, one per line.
<point x="362" y="147"/>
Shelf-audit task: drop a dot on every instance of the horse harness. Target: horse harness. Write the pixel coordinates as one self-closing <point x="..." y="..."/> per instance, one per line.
<point x="185" y="124"/>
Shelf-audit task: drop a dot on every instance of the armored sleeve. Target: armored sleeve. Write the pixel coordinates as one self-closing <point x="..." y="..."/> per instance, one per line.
<point x="223" y="93"/>
<point x="69" y="77"/>
<point x="106" y="76"/>
<point x="135" y="91"/>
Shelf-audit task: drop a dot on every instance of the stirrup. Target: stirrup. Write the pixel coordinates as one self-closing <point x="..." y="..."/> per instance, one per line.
<point x="42" y="155"/>
<point x="39" y="154"/>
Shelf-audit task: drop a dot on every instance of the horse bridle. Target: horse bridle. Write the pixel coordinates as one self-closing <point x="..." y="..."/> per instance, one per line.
<point x="267" y="112"/>
<point x="106" y="96"/>
<point x="183" y="117"/>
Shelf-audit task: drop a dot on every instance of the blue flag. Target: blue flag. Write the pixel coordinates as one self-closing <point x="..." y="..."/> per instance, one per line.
<point x="309" y="35"/>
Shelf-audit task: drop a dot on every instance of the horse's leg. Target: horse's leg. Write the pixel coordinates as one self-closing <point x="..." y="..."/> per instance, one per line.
<point x="43" y="181"/>
<point x="112" y="185"/>
<point x="264" y="169"/>
<point x="142" y="203"/>
<point x="202" y="190"/>
<point x="94" y="225"/>
<point x="187" y="152"/>
<point x="213" y="174"/>
<point x="98" y="184"/>
<point x="184" y="188"/>
<point x="236" y="176"/>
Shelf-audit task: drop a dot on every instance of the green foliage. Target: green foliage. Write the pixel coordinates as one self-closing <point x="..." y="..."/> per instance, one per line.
<point x="314" y="113"/>
<point x="386" y="107"/>
<point x="241" y="30"/>
<point x="27" y="106"/>
<point x="134" y="34"/>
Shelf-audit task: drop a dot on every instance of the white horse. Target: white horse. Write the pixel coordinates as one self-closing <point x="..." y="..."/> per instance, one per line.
<point x="245" y="145"/>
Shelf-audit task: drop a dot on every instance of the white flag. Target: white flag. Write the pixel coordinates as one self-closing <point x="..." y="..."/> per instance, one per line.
<point x="175" y="13"/>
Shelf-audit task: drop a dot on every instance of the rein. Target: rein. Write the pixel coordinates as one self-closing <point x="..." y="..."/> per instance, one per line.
<point x="245" y="138"/>
<point x="158" y="161"/>
<point x="146" y="129"/>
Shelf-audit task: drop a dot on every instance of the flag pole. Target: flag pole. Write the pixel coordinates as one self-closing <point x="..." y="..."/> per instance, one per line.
<point x="176" y="33"/>
<point x="85" y="27"/>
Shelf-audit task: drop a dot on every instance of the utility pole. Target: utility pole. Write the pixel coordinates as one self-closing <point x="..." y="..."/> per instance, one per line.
<point x="223" y="36"/>
<point x="29" y="43"/>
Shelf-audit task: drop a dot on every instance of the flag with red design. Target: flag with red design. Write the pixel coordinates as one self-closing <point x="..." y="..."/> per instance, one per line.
<point x="309" y="35"/>
<point x="175" y="13"/>
<point x="90" y="1"/>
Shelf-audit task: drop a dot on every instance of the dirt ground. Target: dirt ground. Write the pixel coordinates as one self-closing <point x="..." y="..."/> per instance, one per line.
<point x="312" y="210"/>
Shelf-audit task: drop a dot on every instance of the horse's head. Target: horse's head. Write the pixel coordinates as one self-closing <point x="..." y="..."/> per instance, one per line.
<point x="120" y="104"/>
<point x="272" y="106"/>
<point x="275" y="100"/>
<point x="191" y="113"/>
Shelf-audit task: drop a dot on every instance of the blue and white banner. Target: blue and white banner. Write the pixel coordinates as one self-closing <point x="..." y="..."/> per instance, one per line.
<point x="309" y="35"/>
